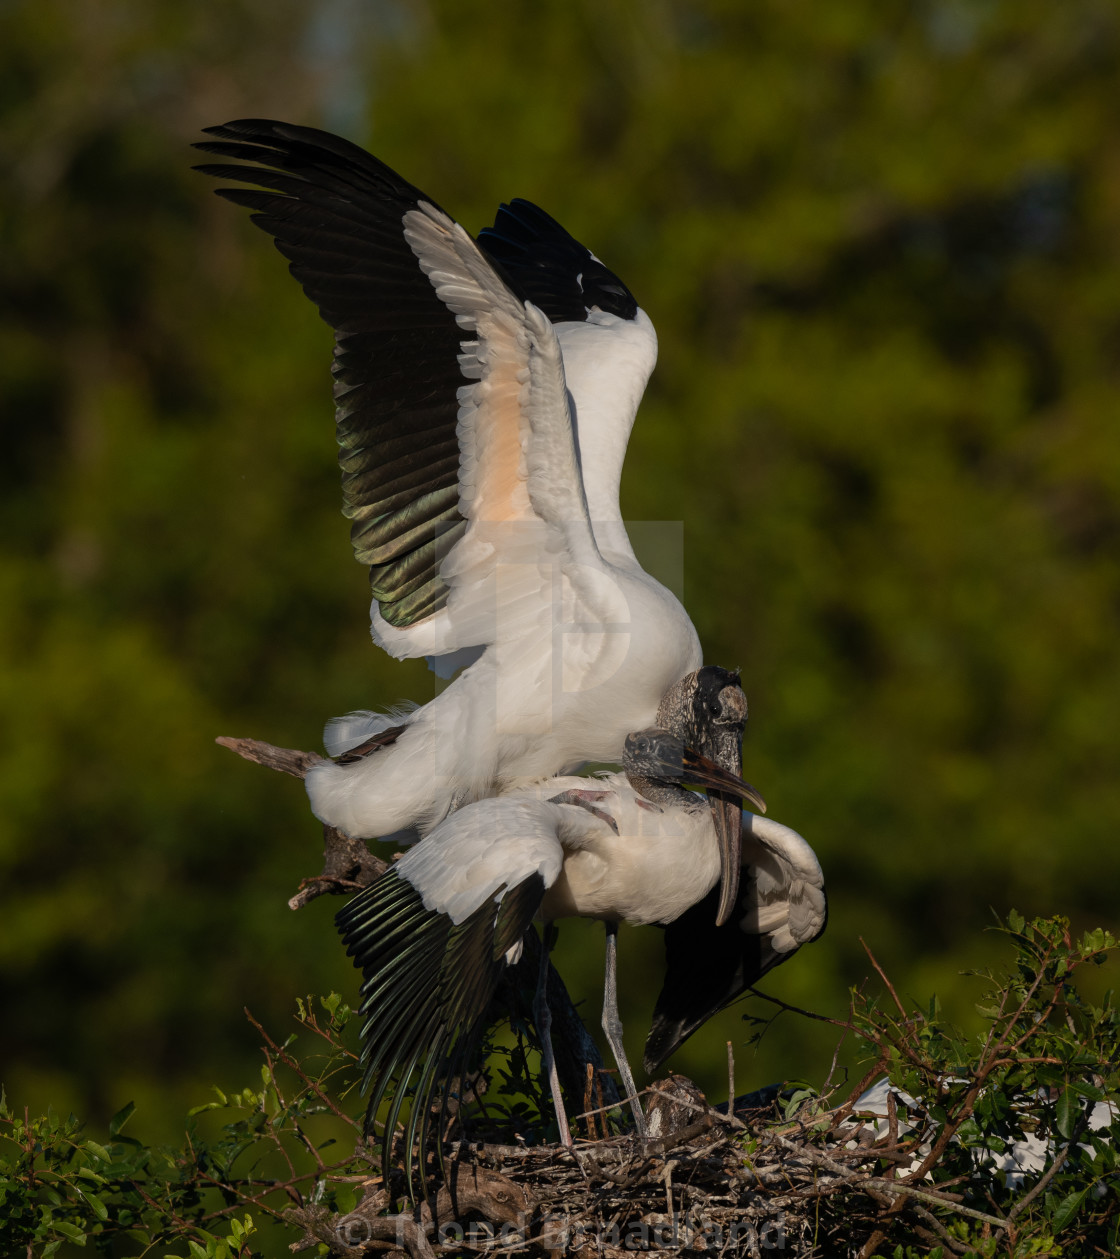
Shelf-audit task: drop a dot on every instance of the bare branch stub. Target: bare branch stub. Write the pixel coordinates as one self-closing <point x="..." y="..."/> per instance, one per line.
<point x="284" y="760"/>
<point x="348" y="865"/>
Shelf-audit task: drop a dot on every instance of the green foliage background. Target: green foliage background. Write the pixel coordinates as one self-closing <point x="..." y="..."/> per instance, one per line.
<point x="881" y="245"/>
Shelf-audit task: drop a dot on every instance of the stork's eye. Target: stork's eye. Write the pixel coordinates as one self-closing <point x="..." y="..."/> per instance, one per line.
<point x="715" y="708"/>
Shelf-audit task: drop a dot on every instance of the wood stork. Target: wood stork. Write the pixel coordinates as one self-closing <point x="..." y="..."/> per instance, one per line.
<point x="485" y="393"/>
<point x="434" y="934"/>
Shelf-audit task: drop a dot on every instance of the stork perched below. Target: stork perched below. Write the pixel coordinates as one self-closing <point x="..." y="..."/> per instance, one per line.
<point x="485" y="392"/>
<point x="434" y="934"/>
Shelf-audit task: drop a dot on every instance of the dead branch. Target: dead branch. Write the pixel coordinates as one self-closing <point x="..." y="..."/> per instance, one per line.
<point x="285" y="760"/>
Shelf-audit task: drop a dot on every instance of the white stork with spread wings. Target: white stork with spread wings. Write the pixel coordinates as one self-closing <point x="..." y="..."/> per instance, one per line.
<point x="485" y="393"/>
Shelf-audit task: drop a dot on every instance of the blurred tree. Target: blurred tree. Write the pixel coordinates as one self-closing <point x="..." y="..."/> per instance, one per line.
<point x="880" y="247"/>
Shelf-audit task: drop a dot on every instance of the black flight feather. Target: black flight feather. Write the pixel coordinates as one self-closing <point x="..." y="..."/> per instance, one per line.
<point x="546" y="265"/>
<point x="427" y="983"/>
<point x="335" y="212"/>
<point x="706" y="968"/>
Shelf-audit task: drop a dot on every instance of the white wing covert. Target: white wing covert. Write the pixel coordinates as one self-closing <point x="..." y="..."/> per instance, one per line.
<point x="520" y="491"/>
<point x="477" y="851"/>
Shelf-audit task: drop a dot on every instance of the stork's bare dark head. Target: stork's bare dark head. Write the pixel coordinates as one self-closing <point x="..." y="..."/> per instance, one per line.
<point x="718" y="699"/>
<point x="656" y="760"/>
<point x="707" y="708"/>
<point x="654" y="754"/>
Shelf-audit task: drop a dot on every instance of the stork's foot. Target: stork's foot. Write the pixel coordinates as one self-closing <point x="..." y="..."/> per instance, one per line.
<point x="641" y="1126"/>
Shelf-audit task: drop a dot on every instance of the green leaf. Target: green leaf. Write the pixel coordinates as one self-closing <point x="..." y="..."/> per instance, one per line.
<point x="239" y="1231"/>
<point x="122" y="1117"/>
<point x="1084" y="1089"/>
<point x="99" y="1207"/>
<point x="76" y="1235"/>
<point x="1068" y="1208"/>
<point x="204" y="1106"/>
<point x="1067" y="1111"/>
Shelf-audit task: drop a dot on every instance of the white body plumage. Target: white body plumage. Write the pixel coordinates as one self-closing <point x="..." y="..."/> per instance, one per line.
<point x="573" y="643"/>
<point x="659" y="862"/>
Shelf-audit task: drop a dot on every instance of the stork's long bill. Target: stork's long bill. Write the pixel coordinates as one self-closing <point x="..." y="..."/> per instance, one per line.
<point x="666" y="756"/>
<point x="727" y="813"/>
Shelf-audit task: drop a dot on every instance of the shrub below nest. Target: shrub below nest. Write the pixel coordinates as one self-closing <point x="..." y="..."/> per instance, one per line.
<point x="1002" y="1143"/>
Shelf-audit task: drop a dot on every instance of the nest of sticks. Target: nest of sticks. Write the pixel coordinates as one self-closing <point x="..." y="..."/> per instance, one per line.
<point x="749" y="1183"/>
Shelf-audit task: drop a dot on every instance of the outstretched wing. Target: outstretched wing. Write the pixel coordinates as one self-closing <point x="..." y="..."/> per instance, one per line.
<point x="427" y="983"/>
<point x="452" y="410"/>
<point x="433" y="936"/>
<point x="781" y="906"/>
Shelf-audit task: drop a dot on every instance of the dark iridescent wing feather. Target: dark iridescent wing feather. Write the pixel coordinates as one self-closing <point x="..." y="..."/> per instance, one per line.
<point x="546" y="265"/>
<point x="707" y="967"/>
<point x="335" y="212"/>
<point x="427" y="983"/>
